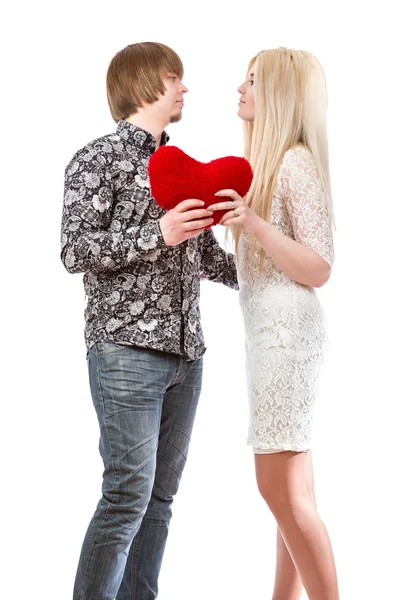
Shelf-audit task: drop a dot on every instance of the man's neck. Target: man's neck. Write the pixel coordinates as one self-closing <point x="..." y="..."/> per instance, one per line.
<point x="148" y="123"/>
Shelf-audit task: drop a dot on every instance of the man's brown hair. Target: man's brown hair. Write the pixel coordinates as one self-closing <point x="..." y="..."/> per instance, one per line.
<point x="135" y="74"/>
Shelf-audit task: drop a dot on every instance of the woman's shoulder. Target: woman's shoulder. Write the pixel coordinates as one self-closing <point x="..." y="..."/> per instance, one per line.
<point x="297" y="169"/>
<point x="299" y="155"/>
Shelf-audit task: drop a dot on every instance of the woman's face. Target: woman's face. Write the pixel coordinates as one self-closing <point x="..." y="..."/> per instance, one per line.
<point x="247" y="100"/>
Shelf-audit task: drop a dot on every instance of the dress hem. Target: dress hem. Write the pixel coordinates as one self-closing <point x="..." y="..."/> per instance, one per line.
<point x="278" y="449"/>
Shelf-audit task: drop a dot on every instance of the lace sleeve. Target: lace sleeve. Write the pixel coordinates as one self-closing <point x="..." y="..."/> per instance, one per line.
<point x="306" y="203"/>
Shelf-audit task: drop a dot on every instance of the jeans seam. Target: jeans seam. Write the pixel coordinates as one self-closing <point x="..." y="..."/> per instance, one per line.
<point x="177" y="374"/>
<point x="86" y="570"/>
<point x="132" y="572"/>
<point x="106" y="428"/>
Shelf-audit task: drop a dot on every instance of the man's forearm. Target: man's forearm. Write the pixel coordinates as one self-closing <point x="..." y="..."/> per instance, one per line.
<point x="89" y="250"/>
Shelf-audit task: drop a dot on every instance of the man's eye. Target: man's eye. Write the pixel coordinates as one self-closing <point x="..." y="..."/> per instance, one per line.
<point x="173" y="77"/>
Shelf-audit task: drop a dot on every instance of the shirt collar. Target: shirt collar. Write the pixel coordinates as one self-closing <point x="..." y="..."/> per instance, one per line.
<point x="141" y="139"/>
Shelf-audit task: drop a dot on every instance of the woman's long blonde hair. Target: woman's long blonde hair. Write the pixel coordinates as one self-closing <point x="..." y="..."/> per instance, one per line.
<point x="290" y="109"/>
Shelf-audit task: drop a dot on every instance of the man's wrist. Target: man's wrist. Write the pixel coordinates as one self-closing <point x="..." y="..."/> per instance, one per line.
<point x="150" y="236"/>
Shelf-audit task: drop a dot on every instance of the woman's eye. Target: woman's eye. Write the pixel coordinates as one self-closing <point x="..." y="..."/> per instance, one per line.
<point x="251" y="81"/>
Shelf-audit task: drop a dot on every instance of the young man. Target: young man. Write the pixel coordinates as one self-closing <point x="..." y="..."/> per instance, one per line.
<point x="142" y="268"/>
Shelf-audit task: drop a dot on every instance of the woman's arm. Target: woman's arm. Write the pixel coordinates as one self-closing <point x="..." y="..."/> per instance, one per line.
<point x="308" y="257"/>
<point x="299" y="262"/>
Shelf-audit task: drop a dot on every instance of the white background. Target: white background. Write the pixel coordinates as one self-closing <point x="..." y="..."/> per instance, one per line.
<point x="54" y="60"/>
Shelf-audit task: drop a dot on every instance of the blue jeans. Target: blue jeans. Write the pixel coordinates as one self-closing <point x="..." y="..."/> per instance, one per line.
<point x="146" y="403"/>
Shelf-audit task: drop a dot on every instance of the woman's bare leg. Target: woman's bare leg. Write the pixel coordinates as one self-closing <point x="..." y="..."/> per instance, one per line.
<point x="288" y="585"/>
<point x="284" y="480"/>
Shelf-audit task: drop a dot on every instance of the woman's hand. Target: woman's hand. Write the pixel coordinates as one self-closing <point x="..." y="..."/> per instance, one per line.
<point x="238" y="213"/>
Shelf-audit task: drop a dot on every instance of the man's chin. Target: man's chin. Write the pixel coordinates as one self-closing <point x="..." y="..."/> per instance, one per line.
<point x="176" y="118"/>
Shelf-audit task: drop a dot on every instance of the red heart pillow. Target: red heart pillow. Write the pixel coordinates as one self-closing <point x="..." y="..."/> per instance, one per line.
<point x="174" y="176"/>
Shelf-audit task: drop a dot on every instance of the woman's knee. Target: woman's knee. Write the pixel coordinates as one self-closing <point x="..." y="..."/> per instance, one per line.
<point x="282" y="483"/>
<point x="277" y="497"/>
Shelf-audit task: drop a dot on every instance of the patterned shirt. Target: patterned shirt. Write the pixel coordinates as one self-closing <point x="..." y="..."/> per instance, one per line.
<point x="138" y="290"/>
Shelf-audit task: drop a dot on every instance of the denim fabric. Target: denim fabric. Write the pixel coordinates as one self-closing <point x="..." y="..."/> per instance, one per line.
<point x="146" y="403"/>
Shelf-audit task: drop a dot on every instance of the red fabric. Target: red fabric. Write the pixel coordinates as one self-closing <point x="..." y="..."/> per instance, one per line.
<point x="175" y="176"/>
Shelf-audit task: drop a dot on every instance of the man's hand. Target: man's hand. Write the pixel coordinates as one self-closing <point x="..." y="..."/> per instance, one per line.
<point x="184" y="221"/>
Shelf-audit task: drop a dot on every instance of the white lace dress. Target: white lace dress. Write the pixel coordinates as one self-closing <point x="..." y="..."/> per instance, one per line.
<point x="284" y="323"/>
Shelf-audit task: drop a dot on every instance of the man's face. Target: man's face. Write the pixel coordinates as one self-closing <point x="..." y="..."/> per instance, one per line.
<point x="247" y="100"/>
<point x="170" y="105"/>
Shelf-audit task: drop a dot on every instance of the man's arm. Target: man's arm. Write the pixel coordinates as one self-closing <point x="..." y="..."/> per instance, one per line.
<point x="216" y="264"/>
<point x="90" y="239"/>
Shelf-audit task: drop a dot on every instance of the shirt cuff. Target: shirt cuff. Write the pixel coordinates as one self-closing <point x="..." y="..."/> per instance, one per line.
<point x="150" y="237"/>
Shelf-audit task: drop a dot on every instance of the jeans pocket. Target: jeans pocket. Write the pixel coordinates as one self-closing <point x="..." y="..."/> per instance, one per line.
<point x="108" y="347"/>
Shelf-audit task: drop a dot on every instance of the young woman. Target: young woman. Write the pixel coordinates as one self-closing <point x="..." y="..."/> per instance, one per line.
<point x="284" y="248"/>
